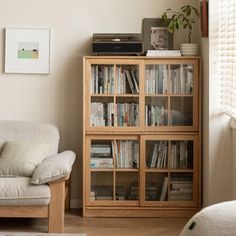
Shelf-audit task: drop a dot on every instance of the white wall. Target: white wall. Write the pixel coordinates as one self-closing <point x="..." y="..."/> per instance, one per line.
<point x="57" y="97"/>
<point x="233" y="126"/>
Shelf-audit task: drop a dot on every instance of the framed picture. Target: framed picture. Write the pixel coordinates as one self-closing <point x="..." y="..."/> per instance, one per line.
<point x="27" y="51"/>
<point x="156" y="35"/>
<point x="204" y="18"/>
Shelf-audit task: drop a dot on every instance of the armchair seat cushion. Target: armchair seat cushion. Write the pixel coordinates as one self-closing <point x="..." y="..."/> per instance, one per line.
<point x="19" y="191"/>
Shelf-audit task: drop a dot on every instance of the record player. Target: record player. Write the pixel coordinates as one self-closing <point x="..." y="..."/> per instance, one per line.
<point x="117" y="44"/>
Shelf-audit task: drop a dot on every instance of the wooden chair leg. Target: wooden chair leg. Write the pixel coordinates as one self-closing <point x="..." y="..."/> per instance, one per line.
<point x="56" y="207"/>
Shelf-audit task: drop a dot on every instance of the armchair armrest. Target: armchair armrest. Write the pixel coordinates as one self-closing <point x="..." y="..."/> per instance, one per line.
<point x="54" y="168"/>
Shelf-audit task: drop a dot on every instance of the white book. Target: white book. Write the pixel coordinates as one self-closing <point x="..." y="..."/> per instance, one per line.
<point x="130" y="82"/>
<point x="135" y="81"/>
<point x="164" y="189"/>
<point x="174" y="53"/>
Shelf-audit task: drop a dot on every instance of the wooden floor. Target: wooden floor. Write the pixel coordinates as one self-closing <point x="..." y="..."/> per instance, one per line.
<point x="74" y="223"/>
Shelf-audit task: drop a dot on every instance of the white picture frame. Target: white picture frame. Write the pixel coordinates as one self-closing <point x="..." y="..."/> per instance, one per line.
<point x="27" y="51"/>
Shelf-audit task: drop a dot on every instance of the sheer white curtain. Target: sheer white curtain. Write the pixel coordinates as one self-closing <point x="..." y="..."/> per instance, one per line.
<point x="223" y="35"/>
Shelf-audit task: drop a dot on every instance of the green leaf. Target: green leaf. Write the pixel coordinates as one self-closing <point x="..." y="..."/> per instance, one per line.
<point x="177" y="25"/>
<point x="184" y="18"/>
<point x="163" y="18"/>
<point x="188" y="12"/>
<point x="180" y="22"/>
<point x="169" y="28"/>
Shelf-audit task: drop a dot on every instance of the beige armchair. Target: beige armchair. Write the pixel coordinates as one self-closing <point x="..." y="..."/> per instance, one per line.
<point x="40" y="194"/>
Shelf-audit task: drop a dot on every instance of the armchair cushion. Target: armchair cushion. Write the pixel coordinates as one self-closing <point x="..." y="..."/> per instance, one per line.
<point x="21" y="158"/>
<point x="19" y="191"/>
<point x="54" y="168"/>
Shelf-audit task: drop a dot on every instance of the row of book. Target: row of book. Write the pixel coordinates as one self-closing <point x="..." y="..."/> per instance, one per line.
<point x="105" y="192"/>
<point x="156" y="79"/>
<point x="102" y="79"/>
<point x="103" y="114"/>
<point x="127" y="80"/>
<point x="127" y="114"/>
<point x="124" y="153"/>
<point x="155" y="115"/>
<point x="181" y="154"/>
<point x="158" y="157"/>
<point x="129" y="192"/>
<point x="179" y="191"/>
<point x="181" y="81"/>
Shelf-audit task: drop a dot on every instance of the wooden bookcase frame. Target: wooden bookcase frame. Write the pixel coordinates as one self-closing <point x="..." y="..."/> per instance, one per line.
<point x="141" y="133"/>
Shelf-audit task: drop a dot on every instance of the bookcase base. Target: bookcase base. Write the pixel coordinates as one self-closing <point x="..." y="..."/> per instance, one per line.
<point x="137" y="212"/>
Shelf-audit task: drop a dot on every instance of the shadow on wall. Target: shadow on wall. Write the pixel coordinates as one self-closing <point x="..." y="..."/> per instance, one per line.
<point x="220" y="161"/>
<point x="71" y="118"/>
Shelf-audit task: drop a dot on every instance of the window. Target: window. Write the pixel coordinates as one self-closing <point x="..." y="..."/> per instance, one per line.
<point x="223" y="42"/>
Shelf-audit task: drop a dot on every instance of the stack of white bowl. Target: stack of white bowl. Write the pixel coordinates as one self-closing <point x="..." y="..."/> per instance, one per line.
<point x="189" y="49"/>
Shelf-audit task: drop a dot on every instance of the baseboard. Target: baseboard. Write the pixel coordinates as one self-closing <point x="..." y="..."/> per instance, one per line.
<point x="76" y="203"/>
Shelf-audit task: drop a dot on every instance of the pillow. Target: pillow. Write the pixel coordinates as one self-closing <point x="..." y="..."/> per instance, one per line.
<point x="21" y="158"/>
<point x="53" y="168"/>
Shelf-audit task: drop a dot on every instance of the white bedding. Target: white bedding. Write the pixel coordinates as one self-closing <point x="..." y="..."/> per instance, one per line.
<point x="215" y="220"/>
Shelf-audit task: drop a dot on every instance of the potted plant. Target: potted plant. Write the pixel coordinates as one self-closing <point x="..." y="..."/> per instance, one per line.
<point x="184" y="18"/>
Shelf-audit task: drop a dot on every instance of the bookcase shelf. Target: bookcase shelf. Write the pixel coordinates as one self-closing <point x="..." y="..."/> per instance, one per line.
<point x="141" y="136"/>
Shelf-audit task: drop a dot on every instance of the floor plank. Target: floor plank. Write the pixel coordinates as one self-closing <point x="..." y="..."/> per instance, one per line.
<point x="74" y="223"/>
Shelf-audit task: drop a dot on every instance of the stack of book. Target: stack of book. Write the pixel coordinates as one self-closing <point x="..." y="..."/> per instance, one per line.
<point x="181" y="188"/>
<point x="101" y="156"/>
<point x="101" y="192"/>
<point x="163" y="53"/>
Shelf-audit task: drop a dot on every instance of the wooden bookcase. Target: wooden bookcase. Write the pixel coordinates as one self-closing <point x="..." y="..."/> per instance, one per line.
<point x="141" y="136"/>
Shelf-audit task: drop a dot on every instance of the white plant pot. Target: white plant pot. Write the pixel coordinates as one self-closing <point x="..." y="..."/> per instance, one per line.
<point x="189" y="49"/>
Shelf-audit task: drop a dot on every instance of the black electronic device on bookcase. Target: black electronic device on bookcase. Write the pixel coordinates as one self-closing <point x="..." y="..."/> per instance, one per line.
<point x="117" y="44"/>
